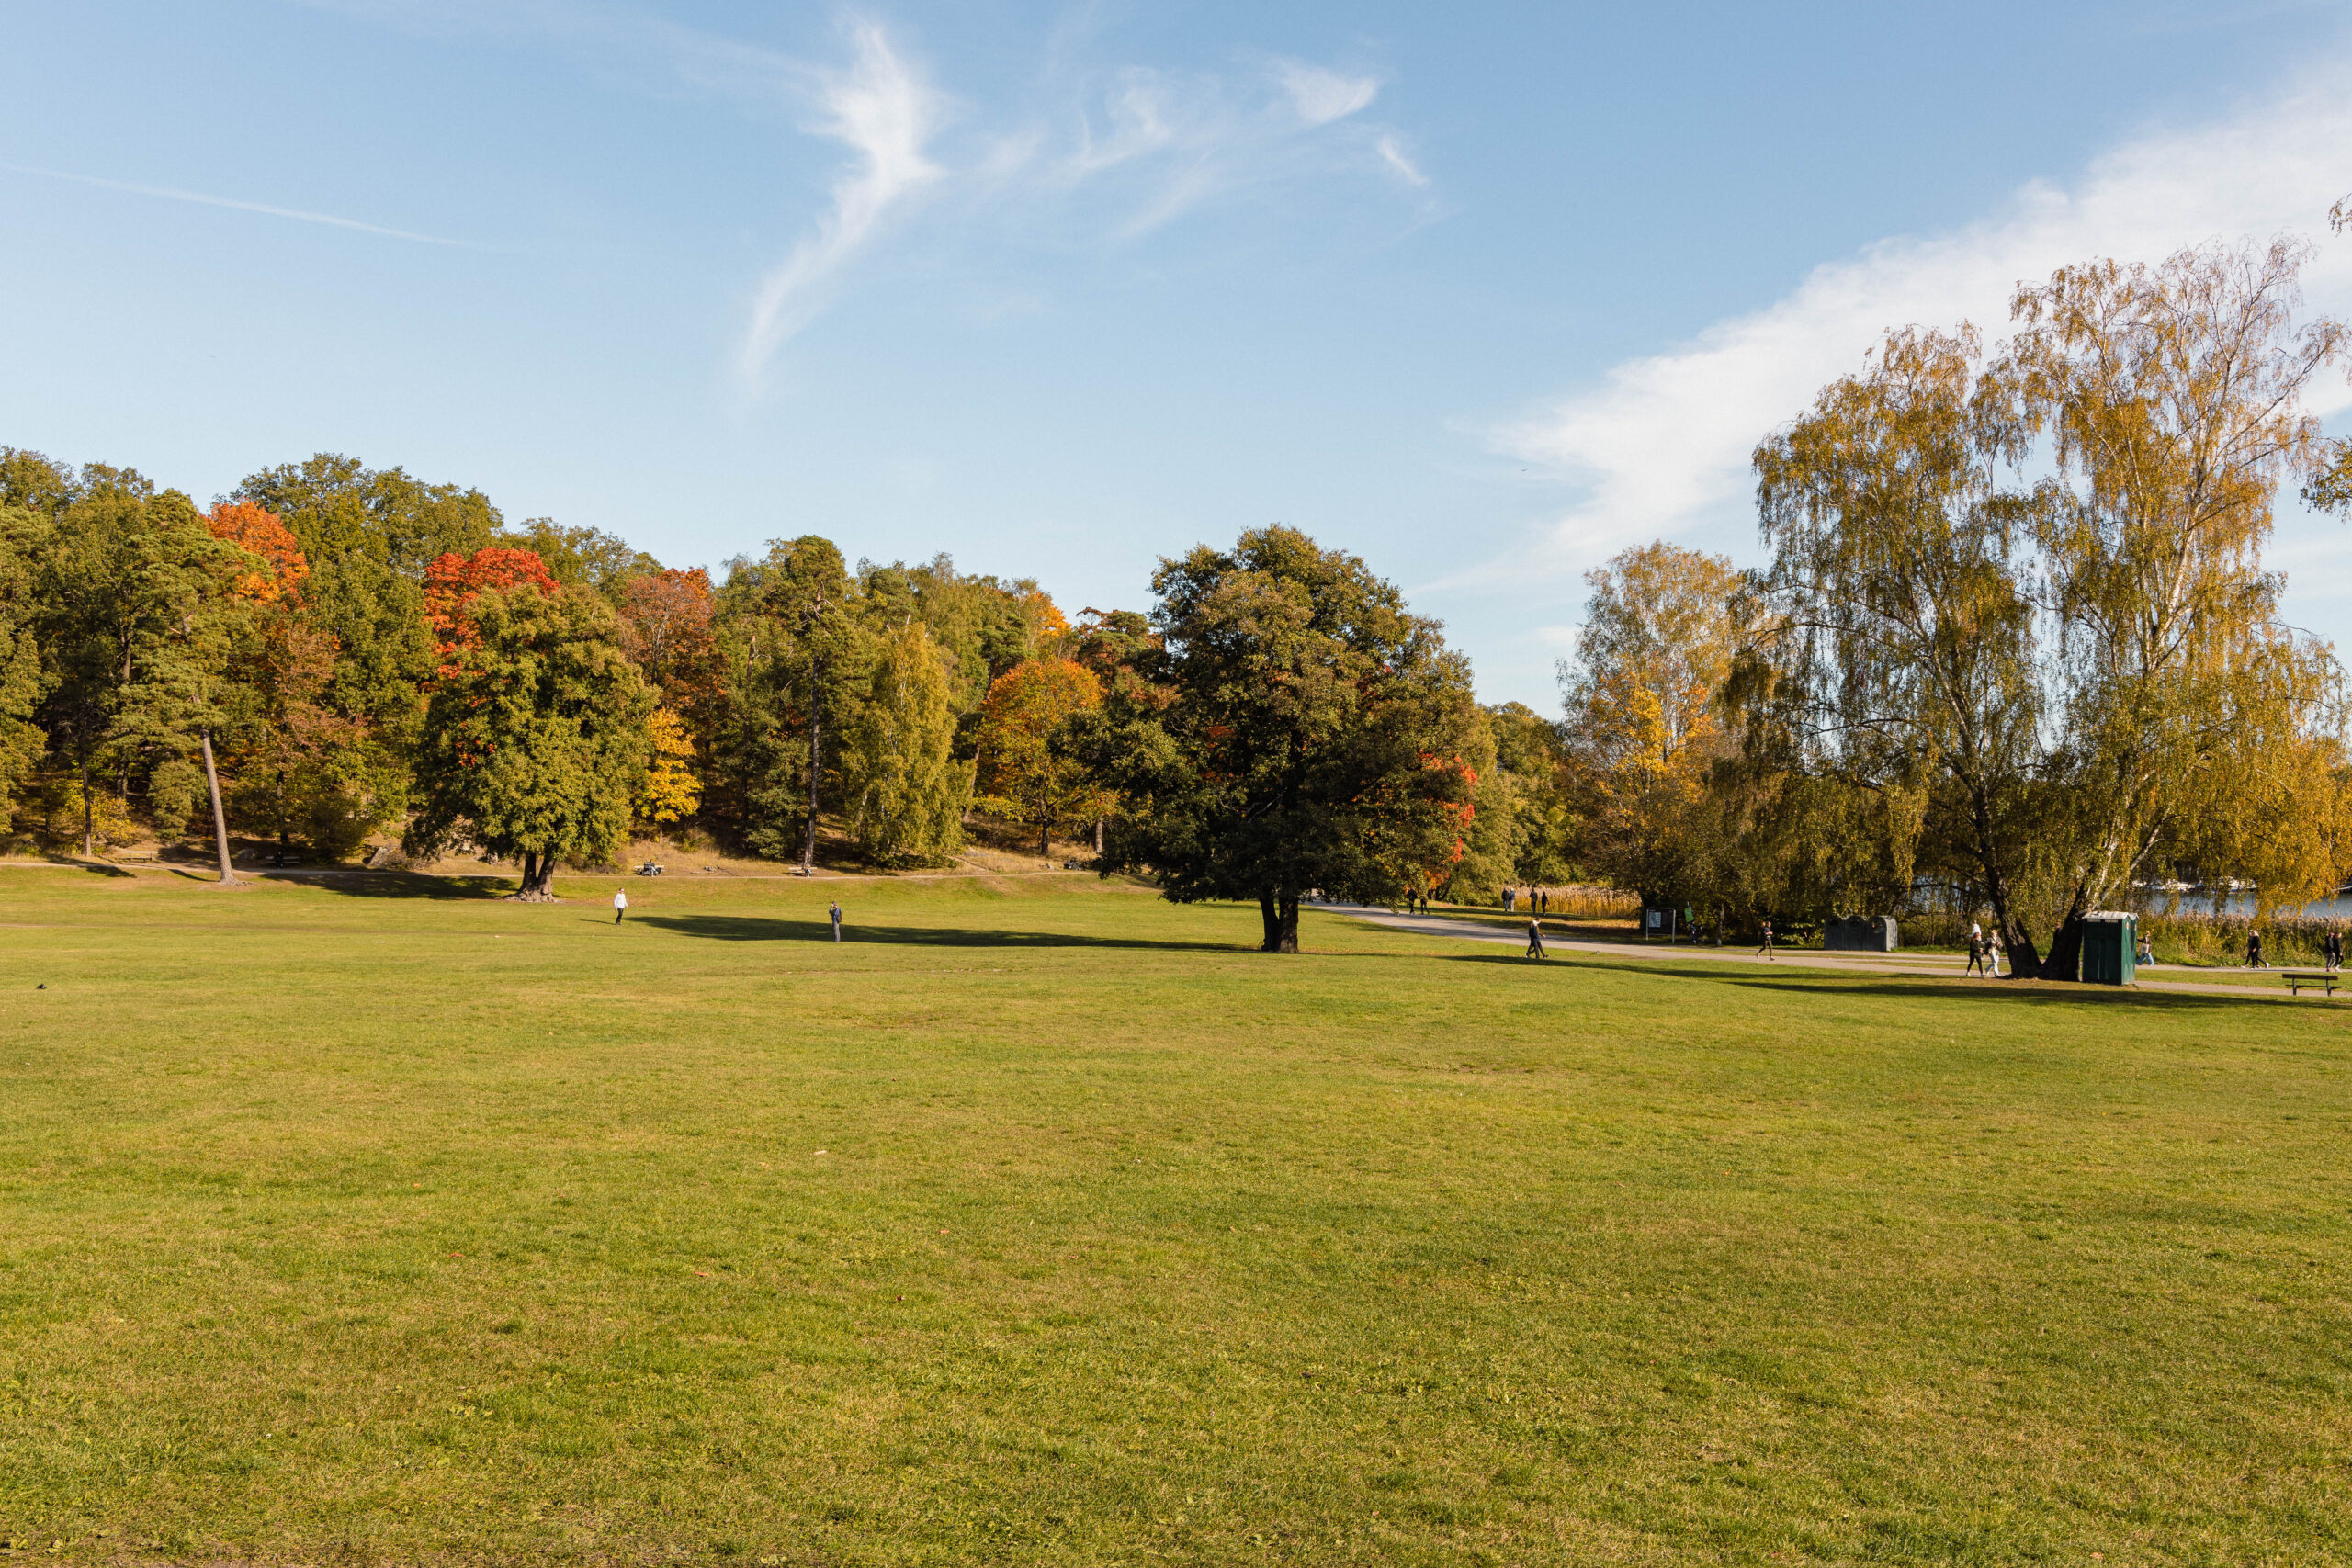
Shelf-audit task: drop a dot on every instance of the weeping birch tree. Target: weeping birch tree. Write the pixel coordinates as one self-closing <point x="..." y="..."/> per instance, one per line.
<point x="2027" y="595"/>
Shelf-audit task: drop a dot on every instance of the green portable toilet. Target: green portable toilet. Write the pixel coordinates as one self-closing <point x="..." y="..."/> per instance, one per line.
<point x="2110" y="948"/>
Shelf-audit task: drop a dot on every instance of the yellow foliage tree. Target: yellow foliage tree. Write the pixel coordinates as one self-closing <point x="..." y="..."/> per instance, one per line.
<point x="1642" y="727"/>
<point x="671" y="790"/>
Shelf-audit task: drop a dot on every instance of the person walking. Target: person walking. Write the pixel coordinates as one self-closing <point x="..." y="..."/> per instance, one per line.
<point x="2254" y="950"/>
<point x="1510" y="900"/>
<point x="1767" y="949"/>
<point x="620" y="906"/>
<point x="1534" y="939"/>
<point x="2335" y="948"/>
<point x="1993" y="955"/>
<point x="1975" y="953"/>
<point x="835" y="911"/>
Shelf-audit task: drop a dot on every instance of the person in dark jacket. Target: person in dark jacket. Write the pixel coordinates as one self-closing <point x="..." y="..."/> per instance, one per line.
<point x="1534" y="939"/>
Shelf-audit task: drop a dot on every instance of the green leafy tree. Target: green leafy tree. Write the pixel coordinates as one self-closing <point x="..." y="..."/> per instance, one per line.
<point x="30" y="489"/>
<point x="906" y="790"/>
<point x="1299" y="730"/>
<point x="137" y="612"/>
<point x="535" y="744"/>
<point x="1522" y="831"/>
<point x="583" y="557"/>
<point x="369" y="535"/>
<point x="797" y="660"/>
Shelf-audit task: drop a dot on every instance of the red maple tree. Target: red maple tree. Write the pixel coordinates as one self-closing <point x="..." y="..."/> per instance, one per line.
<point x="452" y="584"/>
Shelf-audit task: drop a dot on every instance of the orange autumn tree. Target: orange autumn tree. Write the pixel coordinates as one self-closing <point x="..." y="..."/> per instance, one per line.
<point x="258" y="531"/>
<point x="667" y="627"/>
<point x="1021" y="776"/>
<point x="453" y="582"/>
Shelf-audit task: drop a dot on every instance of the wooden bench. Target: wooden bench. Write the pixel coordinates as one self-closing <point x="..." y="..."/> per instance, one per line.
<point x="2297" y="980"/>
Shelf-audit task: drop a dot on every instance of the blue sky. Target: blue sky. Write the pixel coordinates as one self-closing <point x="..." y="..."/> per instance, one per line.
<point x="1483" y="293"/>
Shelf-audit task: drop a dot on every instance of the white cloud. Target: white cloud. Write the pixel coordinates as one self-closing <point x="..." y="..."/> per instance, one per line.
<point x="886" y="113"/>
<point x="1322" y="97"/>
<point x="1662" y="446"/>
<point x="1392" y="153"/>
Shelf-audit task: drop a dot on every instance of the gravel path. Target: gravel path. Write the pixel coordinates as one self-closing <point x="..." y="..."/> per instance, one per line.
<point x="1894" y="965"/>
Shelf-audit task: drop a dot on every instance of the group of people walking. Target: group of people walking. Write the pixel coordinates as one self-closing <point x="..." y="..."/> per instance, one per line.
<point x="1984" y="951"/>
<point x="1537" y="900"/>
<point x="2331" y="950"/>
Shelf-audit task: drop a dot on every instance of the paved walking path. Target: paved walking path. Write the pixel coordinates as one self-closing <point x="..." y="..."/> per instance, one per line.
<point x="1894" y="965"/>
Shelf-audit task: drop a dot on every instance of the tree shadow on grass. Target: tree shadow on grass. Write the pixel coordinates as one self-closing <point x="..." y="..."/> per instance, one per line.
<point x="768" y="928"/>
<point x="1822" y="982"/>
<point x="396" y="884"/>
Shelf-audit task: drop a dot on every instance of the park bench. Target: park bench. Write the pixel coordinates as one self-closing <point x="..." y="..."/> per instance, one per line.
<point x="2297" y="980"/>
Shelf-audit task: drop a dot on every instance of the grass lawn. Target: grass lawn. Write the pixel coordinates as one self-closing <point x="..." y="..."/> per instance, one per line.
<point x="1040" y="1223"/>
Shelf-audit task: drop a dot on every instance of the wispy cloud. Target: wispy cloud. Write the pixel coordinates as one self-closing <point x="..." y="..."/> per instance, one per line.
<point x="886" y="113"/>
<point x="1661" y="446"/>
<point x="1392" y="153"/>
<point x="167" y="193"/>
<point x="1095" y="152"/>
<point x="1322" y="97"/>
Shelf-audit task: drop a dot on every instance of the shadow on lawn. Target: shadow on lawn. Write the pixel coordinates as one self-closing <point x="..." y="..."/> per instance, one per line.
<point x="396" y="884"/>
<point x="767" y="928"/>
<point x="1818" y="982"/>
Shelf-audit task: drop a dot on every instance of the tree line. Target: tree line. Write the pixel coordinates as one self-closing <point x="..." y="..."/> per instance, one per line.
<point x="334" y="652"/>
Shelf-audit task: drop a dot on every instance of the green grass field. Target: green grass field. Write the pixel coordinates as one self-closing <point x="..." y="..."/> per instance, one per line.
<point x="1040" y="1223"/>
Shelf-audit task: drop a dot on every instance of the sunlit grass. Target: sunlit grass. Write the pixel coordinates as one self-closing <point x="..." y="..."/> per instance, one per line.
<point x="1043" y="1223"/>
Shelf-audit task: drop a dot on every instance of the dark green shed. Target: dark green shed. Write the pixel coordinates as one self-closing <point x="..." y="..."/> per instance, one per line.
<point x="2110" y="948"/>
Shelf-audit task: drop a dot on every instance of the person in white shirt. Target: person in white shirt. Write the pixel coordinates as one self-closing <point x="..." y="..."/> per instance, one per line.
<point x="620" y="907"/>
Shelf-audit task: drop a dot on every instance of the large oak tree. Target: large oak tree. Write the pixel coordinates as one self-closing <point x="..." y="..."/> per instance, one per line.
<point x="534" y="741"/>
<point x="1297" y="730"/>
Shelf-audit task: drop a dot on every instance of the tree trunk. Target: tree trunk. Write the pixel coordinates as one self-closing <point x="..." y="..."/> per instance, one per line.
<point x="1280" y="913"/>
<point x="220" y="820"/>
<point x="1097" y="838"/>
<point x="539" y="878"/>
<point x="816" y="769"/>
<point x="88" y="834"/>
<point x="1044" y="844"/>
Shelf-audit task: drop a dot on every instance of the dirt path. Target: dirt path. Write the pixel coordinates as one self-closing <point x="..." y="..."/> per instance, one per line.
<point x="1894" y="965"/>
